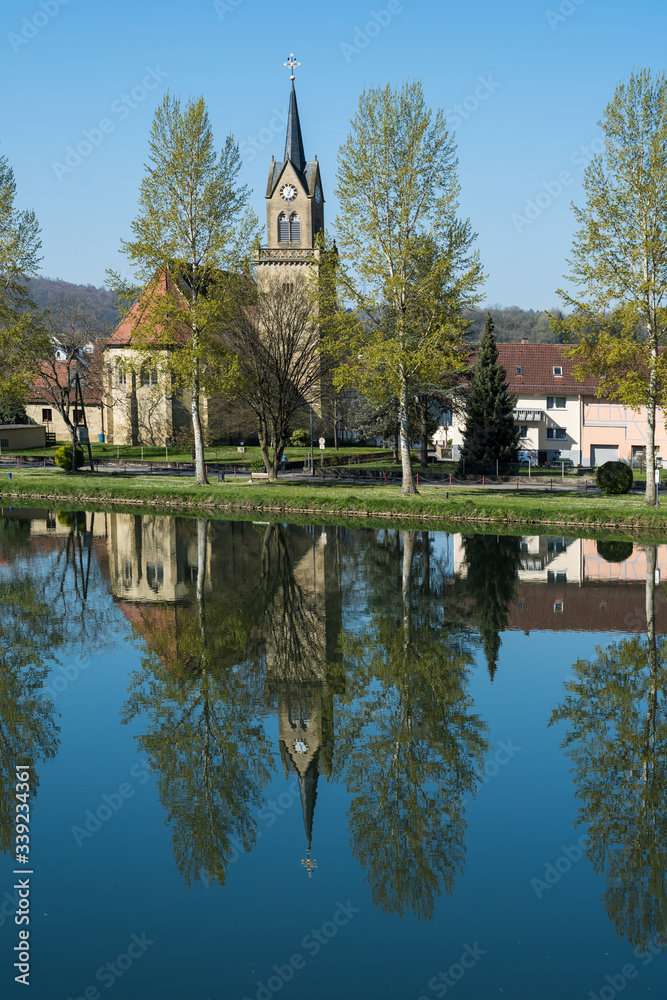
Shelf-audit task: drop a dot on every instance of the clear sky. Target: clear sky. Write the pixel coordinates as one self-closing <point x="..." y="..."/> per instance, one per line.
<point x="531" y="79"/>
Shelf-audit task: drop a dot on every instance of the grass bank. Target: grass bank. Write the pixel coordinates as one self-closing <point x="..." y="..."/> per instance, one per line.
<point x="321" y="502"/>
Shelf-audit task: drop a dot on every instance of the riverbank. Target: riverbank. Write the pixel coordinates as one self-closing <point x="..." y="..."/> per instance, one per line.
<point x="321" y="502"/>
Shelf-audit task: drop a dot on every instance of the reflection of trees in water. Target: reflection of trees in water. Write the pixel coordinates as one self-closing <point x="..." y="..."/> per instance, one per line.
<point x="293" y="624"/>
<point x="408" y="746"/>
<point x="50" y="605"/>
<point x="204" y="736"/>
<point x="492" y="567"/>
<point x="617" y="739"/>
<point x="29" y="634"/>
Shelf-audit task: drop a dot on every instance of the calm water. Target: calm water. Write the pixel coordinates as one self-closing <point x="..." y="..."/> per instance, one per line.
<point x="274" y="760"/>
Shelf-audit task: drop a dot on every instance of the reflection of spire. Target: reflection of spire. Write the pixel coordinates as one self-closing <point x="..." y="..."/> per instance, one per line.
<point x="309" y="863"/>
<point x="308" y="791"/>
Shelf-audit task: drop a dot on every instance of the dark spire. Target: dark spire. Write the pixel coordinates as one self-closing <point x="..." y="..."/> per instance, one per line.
<point x="308" y="790"/>
<point x="294" y="143"/>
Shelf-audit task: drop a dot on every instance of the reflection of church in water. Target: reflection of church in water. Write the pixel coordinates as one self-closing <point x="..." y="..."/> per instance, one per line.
<point x="305" y="681"/>
<point x="153" y="565"/>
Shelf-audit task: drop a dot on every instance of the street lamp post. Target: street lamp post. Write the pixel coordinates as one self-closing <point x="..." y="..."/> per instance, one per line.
<point x="312" y="463"/>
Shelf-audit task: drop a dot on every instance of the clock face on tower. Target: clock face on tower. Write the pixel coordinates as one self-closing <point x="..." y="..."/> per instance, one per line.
<point x="288" y="192"/>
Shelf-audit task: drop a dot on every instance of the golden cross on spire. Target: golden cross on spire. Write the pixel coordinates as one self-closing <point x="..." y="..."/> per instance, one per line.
<point x="309" y="863"/>
<point x="291" y="62"/>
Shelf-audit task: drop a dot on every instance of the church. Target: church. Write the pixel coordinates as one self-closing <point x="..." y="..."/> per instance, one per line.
<point x="144" y="408"/>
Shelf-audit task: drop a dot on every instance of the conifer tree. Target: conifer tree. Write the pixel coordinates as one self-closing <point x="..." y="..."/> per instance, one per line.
<point x="490" y="435"/>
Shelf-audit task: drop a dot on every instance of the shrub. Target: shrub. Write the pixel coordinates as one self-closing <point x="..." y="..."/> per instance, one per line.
<point x="63" y="457"/>
<point x="614" y="552"/>
<point x="614" y="477"/>
<point x="257" y="465"/>
<point x="71" y="519"/>
<point x="299" y="438"/>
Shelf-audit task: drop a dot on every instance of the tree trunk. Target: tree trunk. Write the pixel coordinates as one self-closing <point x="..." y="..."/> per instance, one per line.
<point x="649" y="496"/>
<point x="394" y="450"/>
<point x="202" y="545"/>
<point x="72" y="431"/>
<point x="408" y="487"/>
<point x="406" y="584"/>
<point x="200" y="465"/>
<point x="652" y="700"/>
<point x="335" y="424"/>
<point x="423" y="413"/>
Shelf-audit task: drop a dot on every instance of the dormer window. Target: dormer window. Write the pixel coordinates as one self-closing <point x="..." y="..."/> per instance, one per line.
<point x="558" y="370"/>
<point x="518" y="370"/>
<point x="283" y="228"/>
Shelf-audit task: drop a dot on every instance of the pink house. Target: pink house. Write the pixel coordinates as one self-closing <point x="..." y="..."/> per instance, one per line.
<point x="561" y="418"/>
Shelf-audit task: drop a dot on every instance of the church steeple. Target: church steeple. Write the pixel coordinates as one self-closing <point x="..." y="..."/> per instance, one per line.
<point x="293" y="141"/>
<point x="294" y="202"/>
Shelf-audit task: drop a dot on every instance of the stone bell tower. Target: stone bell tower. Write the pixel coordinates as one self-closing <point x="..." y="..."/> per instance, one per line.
<point x="294" y="205"/>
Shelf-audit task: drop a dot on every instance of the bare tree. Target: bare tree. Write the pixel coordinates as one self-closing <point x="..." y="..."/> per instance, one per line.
<point x="75" y="328"/>
<point x="277" y="343"/>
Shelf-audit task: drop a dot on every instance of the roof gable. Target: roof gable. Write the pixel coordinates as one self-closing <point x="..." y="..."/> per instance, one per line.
<point x="163" y="284"/>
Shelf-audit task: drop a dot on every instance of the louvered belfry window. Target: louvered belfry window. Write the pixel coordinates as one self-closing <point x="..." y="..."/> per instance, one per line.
<point x="283" y="228"/>
<point x="294" y="227"/>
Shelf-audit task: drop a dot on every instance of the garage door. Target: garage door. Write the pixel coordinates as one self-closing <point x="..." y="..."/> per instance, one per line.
<point x="603" y="453"/>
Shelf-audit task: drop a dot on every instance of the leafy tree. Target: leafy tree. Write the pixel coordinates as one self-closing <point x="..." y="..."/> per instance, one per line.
<point x="23" y="340"/>
<point x="617" y="741"/>
<point x="204" y="737"/>
<point x="29" y="635"/>
<point x="193" y="229"/>
<point x="412" y="267"/>
<point x="492" y="567"/>
<point x="619" y="257"/>
<point x="408" y="745"/>
<point x="490" y="434"/>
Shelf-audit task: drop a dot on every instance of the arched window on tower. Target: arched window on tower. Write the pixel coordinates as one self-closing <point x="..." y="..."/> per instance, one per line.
<point x="294" y="227"/>
<point x="283" y="228"/>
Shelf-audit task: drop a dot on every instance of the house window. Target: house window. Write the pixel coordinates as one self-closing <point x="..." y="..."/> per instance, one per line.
<point x="283" y="228"/>
<point x="4" y="442"/>
<point x="523" y="432"/>
<point x="294" y="227"/>
<point x="558" y="370"/>
<point x="519" y="606"/>
<point x="78" y="416"/>
<point x="154" y="575"/>
<point x="518" y="370"/>
<point x="556" y="402"/>
<point x="47" y="416"/>
<point x="558" y="605"/>
<point x="556" y="577"/>
<point x="557" y="433"/>
<point x="149" y="377"/>
<point x="122" y="378"/>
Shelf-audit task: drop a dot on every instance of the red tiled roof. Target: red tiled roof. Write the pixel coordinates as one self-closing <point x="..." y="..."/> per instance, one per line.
<point x="162" y="285"/>
<point x="537" y="362"/>
<point x="91" y="380"/>
<point x="614" y="607"/>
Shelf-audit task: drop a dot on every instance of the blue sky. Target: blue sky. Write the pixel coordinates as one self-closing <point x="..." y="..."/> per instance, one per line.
<point x="531" y="79"/>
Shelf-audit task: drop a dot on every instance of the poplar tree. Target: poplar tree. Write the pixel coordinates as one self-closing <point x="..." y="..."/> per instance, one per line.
<point x="490" y="434"/>
<point x="406" y="261"/>
<point x="23" y="339"/>
<point x="619" y="257"/>
<point x="195" y="228"/>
